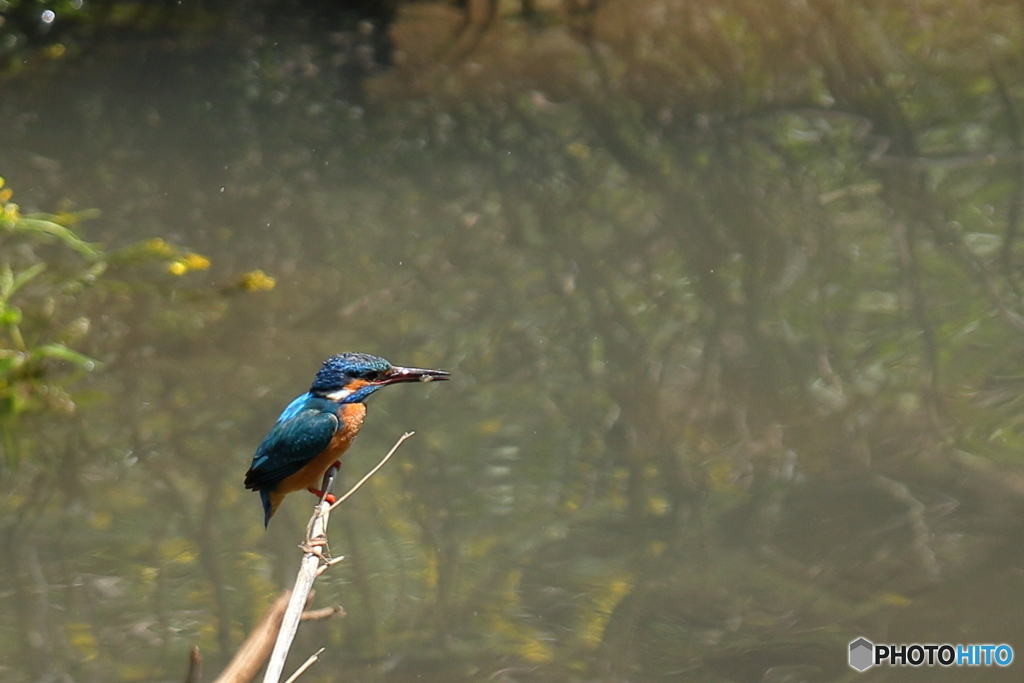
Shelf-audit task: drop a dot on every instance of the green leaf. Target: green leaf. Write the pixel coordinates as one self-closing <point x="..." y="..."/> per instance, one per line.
<point x="61" y="352"/>
<point x="41" y="225"/>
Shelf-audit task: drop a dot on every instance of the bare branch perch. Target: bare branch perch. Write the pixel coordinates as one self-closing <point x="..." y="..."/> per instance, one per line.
<point x="311" y="566"/>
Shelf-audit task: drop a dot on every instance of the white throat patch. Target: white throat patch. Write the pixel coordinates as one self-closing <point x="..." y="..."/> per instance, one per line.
<point x="340" y="395"/>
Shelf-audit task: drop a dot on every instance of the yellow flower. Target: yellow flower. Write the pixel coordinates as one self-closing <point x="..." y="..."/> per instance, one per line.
<point x="177" y="268"/>
<point x="256" y="281"/>
<point x="196" y="262"/>
<point x="157" y="247"/>
<point x="5" y="194"/>
<point x="11" y="213"/>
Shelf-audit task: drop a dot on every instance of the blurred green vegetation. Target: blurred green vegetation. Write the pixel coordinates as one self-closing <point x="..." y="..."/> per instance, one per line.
<point x="54" y="286"/>
<point x="44" y="269"/>
<point x="23" y="383"/>
<point x="733" y="292"/>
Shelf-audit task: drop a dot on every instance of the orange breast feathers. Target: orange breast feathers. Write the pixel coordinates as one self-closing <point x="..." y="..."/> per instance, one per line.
<point x="351" y="416"/>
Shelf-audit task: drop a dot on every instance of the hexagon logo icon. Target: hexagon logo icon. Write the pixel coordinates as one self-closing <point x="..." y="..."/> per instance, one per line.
<point x="862" y="653"/>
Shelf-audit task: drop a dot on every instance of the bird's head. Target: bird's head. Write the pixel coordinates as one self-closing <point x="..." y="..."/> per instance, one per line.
<point x="352" y="377"/>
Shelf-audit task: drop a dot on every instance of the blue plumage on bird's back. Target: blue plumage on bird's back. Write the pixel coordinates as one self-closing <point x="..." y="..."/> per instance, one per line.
<point x="295" y="407"/>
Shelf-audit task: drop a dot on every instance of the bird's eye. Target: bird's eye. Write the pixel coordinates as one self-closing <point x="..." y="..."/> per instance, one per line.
<point x="372" y="376"/>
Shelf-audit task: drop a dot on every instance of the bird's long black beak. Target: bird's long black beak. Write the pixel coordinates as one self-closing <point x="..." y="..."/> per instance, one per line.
<point x="400" y="374"/>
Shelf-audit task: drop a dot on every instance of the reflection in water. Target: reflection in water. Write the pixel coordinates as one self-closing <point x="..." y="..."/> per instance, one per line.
<point x="731" y="292"/>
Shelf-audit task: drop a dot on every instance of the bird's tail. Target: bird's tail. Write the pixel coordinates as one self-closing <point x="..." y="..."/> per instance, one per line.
<point x="269" y="507"/>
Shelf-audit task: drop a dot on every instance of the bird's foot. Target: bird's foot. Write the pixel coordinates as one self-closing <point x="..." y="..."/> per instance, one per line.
<point x="329" y="497"/>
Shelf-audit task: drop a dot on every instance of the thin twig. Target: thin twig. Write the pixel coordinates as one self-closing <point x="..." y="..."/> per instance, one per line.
<point x="305" y="665"/>
<point x="372" y="472"/>
<point x="325" y="613"/>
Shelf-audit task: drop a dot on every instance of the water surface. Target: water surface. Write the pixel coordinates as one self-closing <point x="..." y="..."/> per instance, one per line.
<point x="730" y="298"/>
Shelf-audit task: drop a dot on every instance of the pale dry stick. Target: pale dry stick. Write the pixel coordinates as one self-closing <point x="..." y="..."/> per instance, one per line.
<point x="303" y="583"/>
<point x="313" y="658"/>
<point x="309" y="569"/>
<point x="372" y="472"/>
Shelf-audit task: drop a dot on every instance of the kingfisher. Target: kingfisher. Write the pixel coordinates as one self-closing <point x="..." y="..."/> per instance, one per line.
<point x="316" y="429"/>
